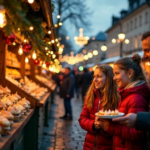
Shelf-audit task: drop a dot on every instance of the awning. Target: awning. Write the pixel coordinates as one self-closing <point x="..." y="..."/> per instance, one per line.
<point x="113" y="59"/>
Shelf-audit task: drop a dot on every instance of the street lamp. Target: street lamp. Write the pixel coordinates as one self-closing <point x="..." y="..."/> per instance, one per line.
<point x="121" y="37"/>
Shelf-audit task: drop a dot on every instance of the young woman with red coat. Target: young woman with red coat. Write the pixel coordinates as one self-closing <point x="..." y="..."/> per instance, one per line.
<point x="134" y="96"/>
<point x="102" y="94"/>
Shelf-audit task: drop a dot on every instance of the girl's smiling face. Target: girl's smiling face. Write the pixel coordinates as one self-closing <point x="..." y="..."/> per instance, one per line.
<point x="99" y="79"/>
<point x="121" y="77"/>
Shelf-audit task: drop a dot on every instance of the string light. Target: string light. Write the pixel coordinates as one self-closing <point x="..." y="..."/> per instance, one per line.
<point x="31" y="28"/>
<point x="56" y="40"/>
<point x="26" y="60"/>
<point x="51" y="52"/>
<point x="30" y="1"/>
<point x="14" y="43"/>
<point x="25" y="40"/>
<point x="90" y="55"/>
<point x="58" y="44"/>
<point x="127" y="41"/>
<point x="95" y="52"/>
<point x="34" y="55"/>
<point x="49" y="42"/>
<point x="44" y="65"/>
<point x="56" y="25"/>
<point x="60" y="23"/>
<point x="46" y="48"/>
<point x="85" y="57"/>
<point x="47" y="54"/>
<point x="20" y="51"/>
<point x="53" y="56"/>
<point x="104" y="48"/>
<point x="53" y="41"/>
<point x="56" y="60"/>
<point x="18" y="29"/>
<point x="67" y="37"/>
<point x="113" y="40"/>
<point x="49" y="32"/>
<point x="3" y="20"/>
<point x="58" y="16"/>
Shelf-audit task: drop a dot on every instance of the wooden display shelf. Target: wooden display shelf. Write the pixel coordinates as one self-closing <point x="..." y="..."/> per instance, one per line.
<point x="27" y="73"/>
<point x="34" y="101"/>
<point x="12" y="64"/>
<point x="27" y="66"/>
<point x="44" y="100"/>
<point x="5" y="141"/>
<point x="42" y="84"/>
<point x="16" y="77"/>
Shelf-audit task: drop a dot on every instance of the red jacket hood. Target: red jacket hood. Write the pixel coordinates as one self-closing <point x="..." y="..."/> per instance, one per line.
<point x="143" y="90"/>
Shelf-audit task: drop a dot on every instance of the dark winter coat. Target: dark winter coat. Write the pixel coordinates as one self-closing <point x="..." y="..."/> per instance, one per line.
<point x="94" y="138"/>
<point x="133" y="100"/>
<point x="85" y="81"/>
<point x="143" y="121"/>
<point x="67" y="86"/>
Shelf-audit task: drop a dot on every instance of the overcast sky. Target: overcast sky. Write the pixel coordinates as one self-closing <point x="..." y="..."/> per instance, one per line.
<point x="101" y="17"/>
<point x="102" y="13"/>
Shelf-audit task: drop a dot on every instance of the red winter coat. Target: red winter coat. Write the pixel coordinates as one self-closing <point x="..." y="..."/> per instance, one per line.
<point x="94" y="139"/>
<point x="132" y="100"/>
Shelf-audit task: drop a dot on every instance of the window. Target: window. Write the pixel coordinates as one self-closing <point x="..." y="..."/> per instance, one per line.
<point x="140" y="21"/>
<point x="96" y="45"/>
<point x="146" y="17"/>
<point x="135" y="5"/>
<point x="130" y="43"/>
<point x="140" y="42"/>
<point x="135" y="42"/>
<point x="127" y="27"/>
<point x="142" y="1"/>
<point x="135" y="23"/>
<point x="131" y="25"/>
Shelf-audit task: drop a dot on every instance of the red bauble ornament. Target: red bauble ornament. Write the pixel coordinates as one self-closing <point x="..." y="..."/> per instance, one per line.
<point x="27" y="47"/>
<point x="9" y="39"/>
<point x="47" y="64"/>
<point x="36" y="62"/>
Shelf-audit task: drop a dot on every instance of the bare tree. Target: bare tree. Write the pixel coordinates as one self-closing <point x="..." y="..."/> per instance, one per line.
<point x="68" y="47"/>
<point x="75" y="11"/>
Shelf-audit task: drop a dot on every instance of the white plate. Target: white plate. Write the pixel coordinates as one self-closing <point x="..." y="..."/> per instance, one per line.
<point x="110" y="116"/>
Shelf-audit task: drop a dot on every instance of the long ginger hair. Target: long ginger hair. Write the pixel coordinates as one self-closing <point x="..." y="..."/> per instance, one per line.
<point x="110" y="95"/>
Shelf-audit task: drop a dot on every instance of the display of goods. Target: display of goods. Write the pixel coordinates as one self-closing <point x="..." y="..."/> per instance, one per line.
<point x="30" y="87"/>
<point x="9" y="39"/>
<point x="44" y="80"/>
<point x="27" y="47"/>
<point x="13" y="73"/>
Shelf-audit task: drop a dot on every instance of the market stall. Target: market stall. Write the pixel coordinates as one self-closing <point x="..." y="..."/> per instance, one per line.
<point x="22" y="94"/>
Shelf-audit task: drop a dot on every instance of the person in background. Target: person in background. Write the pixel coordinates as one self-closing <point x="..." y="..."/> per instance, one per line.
<point x="134" y="95"/>
<point x="85" y="81"/>
<point x="67" y="92"/>
<point x="77" y="87"/>
<point x="102" y="94"/>
<point x="141" y="120"/>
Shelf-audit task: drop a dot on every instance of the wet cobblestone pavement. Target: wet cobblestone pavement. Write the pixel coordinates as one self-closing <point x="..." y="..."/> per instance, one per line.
<point x="61" y="134"/>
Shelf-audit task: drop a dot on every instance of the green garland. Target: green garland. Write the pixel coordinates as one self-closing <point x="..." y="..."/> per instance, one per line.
<point x="17" y="17"/>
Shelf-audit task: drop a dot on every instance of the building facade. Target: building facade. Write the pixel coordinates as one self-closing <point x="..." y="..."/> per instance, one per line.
<point x="94" y="44"/>
<point x="133" y="23"/>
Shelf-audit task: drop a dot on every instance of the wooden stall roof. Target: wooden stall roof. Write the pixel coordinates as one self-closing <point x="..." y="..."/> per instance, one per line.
<point x="5" y="141"/>
<point x="46" y="7"/>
